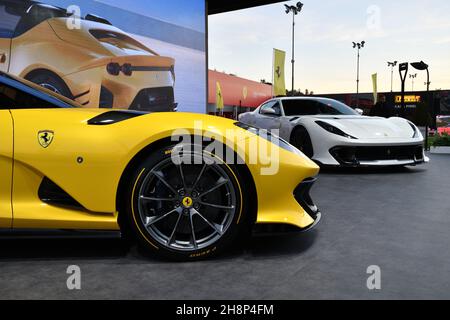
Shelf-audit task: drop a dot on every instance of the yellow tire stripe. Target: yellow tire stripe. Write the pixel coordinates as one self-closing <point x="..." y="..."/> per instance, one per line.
<point x="240" y="192"/>
<point x="139" y="177"/>
<point x="237" y="182"/>
<point x="133" y="213"/>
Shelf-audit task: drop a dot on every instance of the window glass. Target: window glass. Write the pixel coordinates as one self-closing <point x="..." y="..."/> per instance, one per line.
<point x="119" y="40"/>
<point x="277" y="108"/>
<point x="11" y="98"/>
<point x="36" y="14"/>
<point x="9" y="21"/>
<point x="271" y="104"/>
<point x="300" y="107"/>
<point x="333" y="107"/>
<point x="37" y="97"/>
<point x="266" y="105"/>
<point x="304" y="107"/>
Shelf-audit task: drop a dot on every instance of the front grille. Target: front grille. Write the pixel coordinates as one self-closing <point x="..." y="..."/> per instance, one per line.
<point x="302" y="195"/>
<point x="354" y="155"/>
<point x="154" y="100"/>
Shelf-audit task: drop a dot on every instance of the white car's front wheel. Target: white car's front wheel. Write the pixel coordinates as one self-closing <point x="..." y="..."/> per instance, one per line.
<point x="301" y="140"/>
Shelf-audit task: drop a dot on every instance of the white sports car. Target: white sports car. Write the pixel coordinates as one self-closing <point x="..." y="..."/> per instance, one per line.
<point x="333" y="134"/>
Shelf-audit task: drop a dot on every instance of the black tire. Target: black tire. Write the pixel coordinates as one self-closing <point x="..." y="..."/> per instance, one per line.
<point x="302" y="141"/>
<point x="50" y="81"/>
<point x="171" y="236"/>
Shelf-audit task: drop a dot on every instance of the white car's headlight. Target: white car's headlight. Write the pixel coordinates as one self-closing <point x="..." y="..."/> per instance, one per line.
<point x="334" y="130"/>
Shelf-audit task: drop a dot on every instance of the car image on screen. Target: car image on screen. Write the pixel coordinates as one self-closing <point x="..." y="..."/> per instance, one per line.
<point x="85" y="59"/>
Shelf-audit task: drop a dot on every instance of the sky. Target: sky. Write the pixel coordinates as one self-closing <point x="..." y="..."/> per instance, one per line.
<point x="242" y="42"/>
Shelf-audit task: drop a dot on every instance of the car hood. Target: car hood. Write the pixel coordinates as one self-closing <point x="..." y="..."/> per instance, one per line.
<point x="362" y="127"/>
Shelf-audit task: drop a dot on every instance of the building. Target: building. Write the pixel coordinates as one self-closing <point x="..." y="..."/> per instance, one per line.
<point x="440" y="98"/>
<point x="240" y="95"/>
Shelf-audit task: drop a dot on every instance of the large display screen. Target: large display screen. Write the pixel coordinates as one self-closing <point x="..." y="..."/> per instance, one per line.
<point x="138" y="55"/>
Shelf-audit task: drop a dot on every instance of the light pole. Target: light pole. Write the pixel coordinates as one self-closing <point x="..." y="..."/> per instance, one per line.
<point x="358" y="46"/>
<point x="412" y="77"/>
<point x="422" y="66"/>
<point x="392" y="64"/>
<point x="295" y="11"/>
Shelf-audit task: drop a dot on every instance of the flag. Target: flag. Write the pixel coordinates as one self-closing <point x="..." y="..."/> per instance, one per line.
<point x="219" y="97"/>
<point x="279" y="81"/>
<point x="375" y="88"/>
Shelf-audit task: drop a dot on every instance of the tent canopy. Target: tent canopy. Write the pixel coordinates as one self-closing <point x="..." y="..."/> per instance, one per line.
<point x="220" y="6"/>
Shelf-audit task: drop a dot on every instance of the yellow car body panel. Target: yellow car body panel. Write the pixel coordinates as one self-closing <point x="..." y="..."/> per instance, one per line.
<point x="276" y="203"/>
<point x="80" y="60"/>
<point x="105" y="151"/>
<point x="6" y="168"/>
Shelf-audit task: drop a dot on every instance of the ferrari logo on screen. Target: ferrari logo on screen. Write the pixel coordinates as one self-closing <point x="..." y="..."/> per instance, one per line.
<point x="45" y="138"/>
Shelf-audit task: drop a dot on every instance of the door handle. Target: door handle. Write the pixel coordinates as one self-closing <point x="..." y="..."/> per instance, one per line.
<point x="2" y="57"/>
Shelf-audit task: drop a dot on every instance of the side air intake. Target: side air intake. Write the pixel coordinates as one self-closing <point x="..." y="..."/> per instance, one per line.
<point x="52" y="194"/>
<point x="112" y="117"/>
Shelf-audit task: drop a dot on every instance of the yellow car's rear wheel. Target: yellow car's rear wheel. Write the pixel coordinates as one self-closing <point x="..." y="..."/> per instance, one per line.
<point x="188" y="206"/>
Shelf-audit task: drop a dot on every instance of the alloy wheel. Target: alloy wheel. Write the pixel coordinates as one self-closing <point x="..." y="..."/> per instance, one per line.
<point x="187" y="207"/>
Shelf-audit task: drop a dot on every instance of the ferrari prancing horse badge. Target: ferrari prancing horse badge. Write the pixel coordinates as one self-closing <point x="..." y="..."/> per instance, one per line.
<point x="45" y="138"/>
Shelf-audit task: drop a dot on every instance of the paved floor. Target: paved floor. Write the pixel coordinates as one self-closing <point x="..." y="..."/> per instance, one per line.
<point x="396" y="219"/>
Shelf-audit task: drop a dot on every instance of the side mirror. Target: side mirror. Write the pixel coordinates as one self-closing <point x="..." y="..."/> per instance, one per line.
<point x="360" y="111"/>
<point x="269" y="112"/>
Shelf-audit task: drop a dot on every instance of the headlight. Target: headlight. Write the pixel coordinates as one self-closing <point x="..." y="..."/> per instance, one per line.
<point x="273" y="138"/>
<point x="416" y="133"/>
<point x="334" y="130"/>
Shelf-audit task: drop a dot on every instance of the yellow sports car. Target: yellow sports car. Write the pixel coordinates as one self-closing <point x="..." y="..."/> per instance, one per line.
<point x="87" y="59"/>
<point x="65" y="167"/>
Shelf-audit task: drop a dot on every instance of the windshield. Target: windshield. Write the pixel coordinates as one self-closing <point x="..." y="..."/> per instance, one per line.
<point x="312" y="107"/>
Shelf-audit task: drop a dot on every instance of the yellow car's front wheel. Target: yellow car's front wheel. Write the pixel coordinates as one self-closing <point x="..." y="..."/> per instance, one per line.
<point x="188" y="206"/>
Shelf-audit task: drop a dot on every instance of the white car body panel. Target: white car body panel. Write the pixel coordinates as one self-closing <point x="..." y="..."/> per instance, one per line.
<point x="368" y="131"/>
